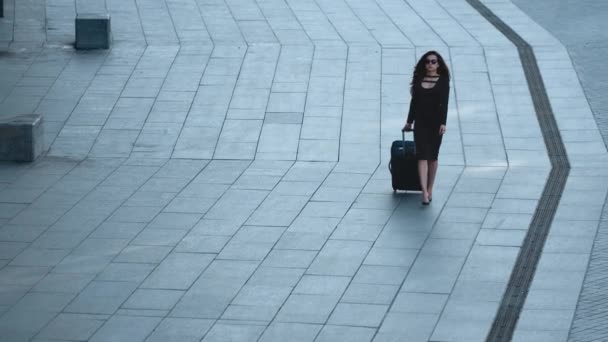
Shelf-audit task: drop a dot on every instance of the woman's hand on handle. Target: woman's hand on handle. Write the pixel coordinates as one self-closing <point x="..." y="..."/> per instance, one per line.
<point x="441" y="129"/>
<point x="407" y="127"/>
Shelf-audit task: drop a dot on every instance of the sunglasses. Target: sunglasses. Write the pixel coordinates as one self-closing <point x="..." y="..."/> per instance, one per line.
<point x="431" y="61"/>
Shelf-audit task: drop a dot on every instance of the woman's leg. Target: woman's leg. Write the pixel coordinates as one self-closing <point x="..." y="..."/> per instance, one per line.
<point x="423" y="172"/>
<point x="432" y="165"/>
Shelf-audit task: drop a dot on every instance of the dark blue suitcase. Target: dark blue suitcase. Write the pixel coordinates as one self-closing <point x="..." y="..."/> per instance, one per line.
<point x="404" y="165"/>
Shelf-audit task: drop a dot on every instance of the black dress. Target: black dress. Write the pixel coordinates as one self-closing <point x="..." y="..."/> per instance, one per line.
<point x="428" y="111"/>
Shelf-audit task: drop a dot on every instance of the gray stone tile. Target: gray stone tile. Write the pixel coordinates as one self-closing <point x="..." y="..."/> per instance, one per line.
<point x="401" y="239"/>
<point x="400" y="326"/>
<point x="20" y="233"/>
<point x="224" y="331"/>
<point x="355" y="231"/>
<point x="117" y="230"/>
<point x="302" y="241"/>
<point x="190" y="205"/>
<point x="307" y="309"/>
<point x="178" y="271"/>
<point x="322" y="285"/>
<point x="143" y="254"/>
<point x="335" y="194"/>
<point x="340" y="258"/>
<point x="51" y="302"/>
<point x="63" y="283"/>
<point x="257" y="234"/>
<point x="296" y="332"/>
<point x="331" y="333"/>
<point x="10" y="210"/>
<point x="10" y="294"/>
<point x="386" y="275"/>
<point x="245" y="251"/>
<point x="75" y="264"/>
<point x="470" y="200"/>
<point x="370" y="294"/>
<point x="11" y="249"/>
<point x="435" y="274"/>
<point x="224" y="227"/>
<point x="126" y="272"/>
<point x="23" y="325"/>
<point x="180" y="330"/>
<point x="261" y="295"/>
<point x="72" y="327"/>
<point x="62" y="240"/>
<point x="276" y="276"/>
<point x="391" y="257"/>
<point x="204" y="190"/>
<point x="465" y="320"/>
<point x="100" y="247"/>
<point x="483" y="185"/>
<point x="413" y="302"/>
<point x="182" y="221"/>
<point x="468" y="290"/>
<point x="26" y="276"/>
<point x="521" y="335"/>
<point x="194" y="243"/>
<point x="489" y="263"/>
<point x="213" y="291"/>
<point x="114" y="143"/>
<point x="551" y="300"/>
<point x="126" y="328"/>
<point x="306" y="224"/>
<point x="507" y="221"/>
<point x="376" y="201"/>
<point x="153" y="299"/>
<point x="159" y="237"/>
<point x="135" y="214"/>
<point x="38" y="216"/>
<point x="447" y="247"/>
<point x="272" y="217"/>
<point x="257" y="313"/>
<point x="149" y="199"/>
<point x="289" y="258"/>
<point x="101" y="297"/>
<point x="286" y="103"/>
<point x="466" y="215"/>
<point x="366" y="315"/>
<point x="563" y="262"/>
<point x="501" y="237"/>
<point x="573" y="228"/>
<point x="164" y="184"/>
<point x="283" y="118"/>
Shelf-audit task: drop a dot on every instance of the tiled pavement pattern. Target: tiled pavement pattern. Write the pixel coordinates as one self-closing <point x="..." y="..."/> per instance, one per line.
<point x="220" y="175"/>
<point x="582" y="29"/>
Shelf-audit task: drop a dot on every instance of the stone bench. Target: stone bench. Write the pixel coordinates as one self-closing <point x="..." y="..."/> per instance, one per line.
<point x="21" y="138"/>
<point x="93" y="31"/>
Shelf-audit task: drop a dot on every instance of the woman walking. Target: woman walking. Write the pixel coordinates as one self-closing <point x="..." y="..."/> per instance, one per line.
<point x="430" y="90"/>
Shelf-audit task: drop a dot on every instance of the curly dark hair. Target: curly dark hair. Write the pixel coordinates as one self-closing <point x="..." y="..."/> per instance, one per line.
<point x="420" y="69"/>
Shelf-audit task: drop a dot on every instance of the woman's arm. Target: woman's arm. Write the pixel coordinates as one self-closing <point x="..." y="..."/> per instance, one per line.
<point x="443" y="101"/>
<point x="411" y="115"/>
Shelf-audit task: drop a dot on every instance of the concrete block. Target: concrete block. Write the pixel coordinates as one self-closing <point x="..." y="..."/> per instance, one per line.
<point x="93" y="31"/>
<point x="21" y="138"/>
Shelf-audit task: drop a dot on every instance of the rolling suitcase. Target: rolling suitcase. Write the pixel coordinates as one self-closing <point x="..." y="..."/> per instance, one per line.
<point x="404" y="165"/>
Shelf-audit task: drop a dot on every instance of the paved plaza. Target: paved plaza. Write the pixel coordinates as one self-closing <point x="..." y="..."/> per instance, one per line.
<point x="221" y="174"/>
